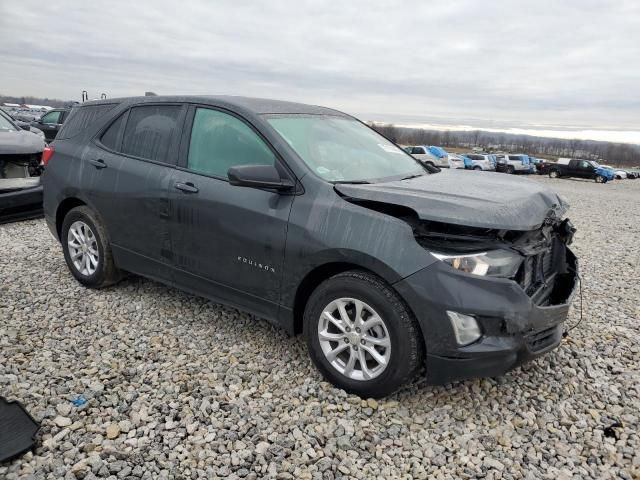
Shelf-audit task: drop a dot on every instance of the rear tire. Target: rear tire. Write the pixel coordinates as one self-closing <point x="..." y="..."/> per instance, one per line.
<point x="337" y="345"/>
<point x="86" y="249"/>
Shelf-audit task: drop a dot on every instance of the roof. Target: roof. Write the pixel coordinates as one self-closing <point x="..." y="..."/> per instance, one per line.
<point x="250" y="104"/>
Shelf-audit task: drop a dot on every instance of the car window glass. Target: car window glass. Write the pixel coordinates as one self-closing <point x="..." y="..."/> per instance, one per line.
<point x="220" y="141"/>
<point x="80" y="118"/>
<point x="51" y="117"/>
<point x="110" y="137"/>
<point x="149" y="131"/>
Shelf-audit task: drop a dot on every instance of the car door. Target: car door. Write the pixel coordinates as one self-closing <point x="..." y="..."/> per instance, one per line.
<point x="576" y="169"/>
<point x="129" y="167"/>
<point x="50" y="123"/>
<point x="586" y="169"/>
<point x="228" y="241"/>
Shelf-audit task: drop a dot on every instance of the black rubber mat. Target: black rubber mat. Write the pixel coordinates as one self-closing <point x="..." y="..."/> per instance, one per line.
<point x="17" y="430"/>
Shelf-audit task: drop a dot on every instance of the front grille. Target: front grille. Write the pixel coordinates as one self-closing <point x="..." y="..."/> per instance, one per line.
<point x="539" y="269"/>
<point x="543" y="339"/>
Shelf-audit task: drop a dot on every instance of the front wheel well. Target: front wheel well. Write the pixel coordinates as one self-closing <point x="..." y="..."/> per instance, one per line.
<point x="311" y="282"/>
<point x="65" y="206"/>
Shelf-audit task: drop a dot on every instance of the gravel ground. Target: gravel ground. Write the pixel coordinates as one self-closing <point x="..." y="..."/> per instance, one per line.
<point x="178" y="387"/>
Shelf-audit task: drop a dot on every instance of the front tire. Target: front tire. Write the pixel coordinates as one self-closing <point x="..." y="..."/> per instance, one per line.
<point x="601" y="179"/>
<point x="86" y="249"/>
<point x="477" y="168"/>
<point x="554" y="173"/>
<point x="511" y="170"/>
<point x="361" y="336"/>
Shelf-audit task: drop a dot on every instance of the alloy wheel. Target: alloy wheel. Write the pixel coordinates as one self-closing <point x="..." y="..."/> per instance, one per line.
<point x="354" y="339"/>
<point x="83" y="248"/>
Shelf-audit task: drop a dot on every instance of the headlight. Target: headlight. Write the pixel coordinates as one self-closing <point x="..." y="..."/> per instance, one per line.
<point x="495" y="263"/>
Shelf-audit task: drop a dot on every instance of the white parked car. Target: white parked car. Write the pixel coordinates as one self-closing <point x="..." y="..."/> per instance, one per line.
<point x="481" y="161"/>
<point x="455" y="161"/>
<point x="513" y="163"/>
<point x="422" y="153"/>
<point x="619" y="174"/>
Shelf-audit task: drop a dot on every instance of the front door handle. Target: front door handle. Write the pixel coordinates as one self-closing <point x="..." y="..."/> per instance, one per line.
<point x="187" y="187"/>
<point x="99" y="163"/>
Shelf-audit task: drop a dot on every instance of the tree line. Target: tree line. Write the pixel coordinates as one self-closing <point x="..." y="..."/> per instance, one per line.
<point x="28" y="100"/>
<point x="610" y="153"/>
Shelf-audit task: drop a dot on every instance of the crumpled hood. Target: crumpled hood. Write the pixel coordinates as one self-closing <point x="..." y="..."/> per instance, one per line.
<point x="475" y="199"/>
<point x="20" y="142"/>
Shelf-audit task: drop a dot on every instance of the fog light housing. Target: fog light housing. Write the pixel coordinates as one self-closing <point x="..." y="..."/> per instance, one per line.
<point x="465" y="328"/>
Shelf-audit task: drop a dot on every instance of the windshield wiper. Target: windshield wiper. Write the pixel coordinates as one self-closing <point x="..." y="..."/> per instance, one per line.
<point x="413" y="176"/>
<point x="351" y="182"/>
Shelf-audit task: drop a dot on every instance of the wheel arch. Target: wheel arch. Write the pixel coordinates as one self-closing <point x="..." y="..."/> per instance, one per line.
<point x="65" y="207"/>
<point x="319" y="274"/>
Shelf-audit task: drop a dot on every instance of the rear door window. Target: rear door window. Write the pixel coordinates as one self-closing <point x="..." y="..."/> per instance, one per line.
<point x="220" y="141"/>
<point x="150" y="131"/>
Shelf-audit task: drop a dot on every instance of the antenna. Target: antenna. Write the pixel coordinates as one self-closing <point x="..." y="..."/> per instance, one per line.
<point x="85" y="96"/>
<point x="103" y="96"/>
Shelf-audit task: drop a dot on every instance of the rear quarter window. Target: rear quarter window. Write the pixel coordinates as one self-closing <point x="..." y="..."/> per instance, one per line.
<point x="82" y="117"/>
<point x="111" y="137"/>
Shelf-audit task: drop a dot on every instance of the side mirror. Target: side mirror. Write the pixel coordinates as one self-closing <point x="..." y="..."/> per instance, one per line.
<point x="24" y="126"/>
<point x="258" y="176"/>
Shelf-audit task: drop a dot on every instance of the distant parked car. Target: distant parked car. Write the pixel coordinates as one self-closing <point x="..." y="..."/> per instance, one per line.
<point x="456" y="161"/>
<point x="20" y="190"/>
<point x="509" y="163"/>
<point x="422" y="153"/>
<point x="578" y="168"/>
<point x="51" y="122"/>
<point x="482" y="161"/>
<point x="618" y="173"/>
<point x="445" y="159"/>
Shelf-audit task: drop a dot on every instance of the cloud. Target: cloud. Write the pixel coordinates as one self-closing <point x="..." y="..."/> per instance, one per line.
<point x="515" y="63"/>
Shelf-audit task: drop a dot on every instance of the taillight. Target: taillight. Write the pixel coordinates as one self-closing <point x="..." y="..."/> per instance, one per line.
<point x="47" y="153"/>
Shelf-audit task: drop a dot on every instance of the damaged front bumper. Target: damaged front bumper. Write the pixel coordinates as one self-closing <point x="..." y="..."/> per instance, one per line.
<point x="515" y="329"/>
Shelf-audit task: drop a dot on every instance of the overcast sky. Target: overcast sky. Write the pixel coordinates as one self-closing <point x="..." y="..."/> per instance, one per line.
<point x="569" y="67"/>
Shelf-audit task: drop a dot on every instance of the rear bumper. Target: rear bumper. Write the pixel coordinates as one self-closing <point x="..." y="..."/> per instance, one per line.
<point x="21" y="204"/>
<point x="514" y="329"/>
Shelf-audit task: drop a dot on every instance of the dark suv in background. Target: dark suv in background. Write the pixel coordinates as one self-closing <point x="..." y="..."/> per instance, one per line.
<point x="306" y="217"/>
<point x="51" y="122"/>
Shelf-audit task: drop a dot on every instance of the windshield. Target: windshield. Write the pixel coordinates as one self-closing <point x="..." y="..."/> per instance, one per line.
<point x="596" y="164"/>
<point x="344" y="150"/>
<point x="6" y="125"/>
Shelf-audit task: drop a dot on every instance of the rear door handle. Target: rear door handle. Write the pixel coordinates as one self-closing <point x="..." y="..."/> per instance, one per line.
<point x="187" y="187"/>
<point x="99" y="163"/>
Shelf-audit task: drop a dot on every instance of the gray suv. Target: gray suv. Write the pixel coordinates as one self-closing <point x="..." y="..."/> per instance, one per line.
<point x="308" y="218"/>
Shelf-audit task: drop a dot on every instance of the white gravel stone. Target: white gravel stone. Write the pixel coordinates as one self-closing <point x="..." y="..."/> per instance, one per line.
<point x="197" y="390"/>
